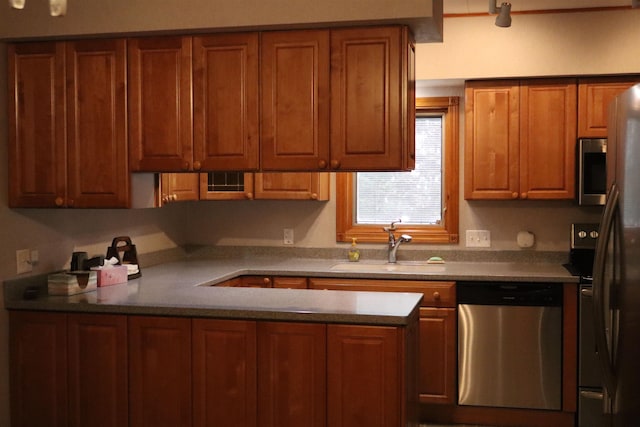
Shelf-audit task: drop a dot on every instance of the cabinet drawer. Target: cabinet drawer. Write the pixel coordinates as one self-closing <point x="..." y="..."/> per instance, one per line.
<point x="436" y="294"/>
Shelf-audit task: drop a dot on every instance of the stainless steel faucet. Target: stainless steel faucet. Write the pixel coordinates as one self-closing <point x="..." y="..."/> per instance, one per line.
<point x="394" y="243"/>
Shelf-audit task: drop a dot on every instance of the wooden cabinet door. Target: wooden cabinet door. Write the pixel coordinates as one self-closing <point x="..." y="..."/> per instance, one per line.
<point x="160" y="111"/>
<point x="37" y="132"/>
<point x="290" y="282"/>
<point x="548" y="115"/>
<point x="224" y="373"/>
<point x="294" y="81"/>
<point x="437" y="382"/>
<point x="160" y="372"/>
<point x="38" y="358"/>
<point x="179" y="187"/>
<point x="98" y="171"/>
<point x="225" y="95"/>
<point x="97" y="365"/>
<point x="291" y="375"/>
<point x="292" y="185"/>
<point x="226" y="186"/>
<point x="364" y="381"/>
<point x="492" y="144"/>
<point x="594" y="96"/>
<point x="371" y="106"/>
<point x="255" y="282"/>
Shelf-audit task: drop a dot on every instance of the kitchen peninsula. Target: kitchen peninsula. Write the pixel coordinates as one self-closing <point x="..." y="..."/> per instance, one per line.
<point x="169" y="344"/>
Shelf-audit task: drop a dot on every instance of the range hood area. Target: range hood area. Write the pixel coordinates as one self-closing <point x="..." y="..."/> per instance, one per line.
<point x="94" y="18"/>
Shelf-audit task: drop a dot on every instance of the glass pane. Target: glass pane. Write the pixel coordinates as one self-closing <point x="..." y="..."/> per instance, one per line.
<point x="225" y="181"/>
<point x="415" y="196"/>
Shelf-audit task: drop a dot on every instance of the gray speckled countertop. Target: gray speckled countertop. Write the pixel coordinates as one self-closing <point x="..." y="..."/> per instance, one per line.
<point x="184" y="288"/>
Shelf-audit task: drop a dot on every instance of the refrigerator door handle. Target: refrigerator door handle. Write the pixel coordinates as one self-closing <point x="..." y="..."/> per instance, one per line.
<point x="595" y="395"/>
<point x="606" y="226"/>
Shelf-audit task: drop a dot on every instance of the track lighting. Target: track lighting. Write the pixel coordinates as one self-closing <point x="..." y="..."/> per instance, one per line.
<point x="56" y="7"/>
<point x="504" y="13"/>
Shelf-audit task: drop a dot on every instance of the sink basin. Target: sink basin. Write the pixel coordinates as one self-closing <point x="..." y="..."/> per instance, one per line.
<point x="400" y="266"/>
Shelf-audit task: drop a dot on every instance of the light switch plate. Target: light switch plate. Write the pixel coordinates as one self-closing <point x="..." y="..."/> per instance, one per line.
<point x="478" y="239"/>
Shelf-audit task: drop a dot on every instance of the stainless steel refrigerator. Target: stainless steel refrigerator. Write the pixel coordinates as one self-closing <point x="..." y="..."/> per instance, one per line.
<point x="616" y="275"/>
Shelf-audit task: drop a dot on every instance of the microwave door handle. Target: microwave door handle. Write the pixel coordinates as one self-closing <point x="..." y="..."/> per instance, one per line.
<point x="606" y="226"/>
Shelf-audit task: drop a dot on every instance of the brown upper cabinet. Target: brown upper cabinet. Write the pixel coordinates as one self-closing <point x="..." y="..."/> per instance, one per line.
<point x="594" y="96"/>
<point x="67" y="131"/>
<point x="299" y="100"/>
<point x="520" y="139"/>
<point x="160" y="110"/>
<point x="178" y="187"/>
<point x="294" y="83"/>
<point x="372" y="99"/>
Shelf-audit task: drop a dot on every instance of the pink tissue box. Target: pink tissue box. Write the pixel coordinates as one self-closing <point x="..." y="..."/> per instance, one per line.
<point x="112" y="275"/>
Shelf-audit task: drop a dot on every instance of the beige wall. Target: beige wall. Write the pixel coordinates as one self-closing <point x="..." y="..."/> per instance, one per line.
<point x="469" y="50"/>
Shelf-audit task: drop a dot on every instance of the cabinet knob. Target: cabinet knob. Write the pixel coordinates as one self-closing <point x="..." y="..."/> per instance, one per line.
<point x="249" y="196"/>
<point x="524" y="195"/>
<point x="322" y="164"/>
<point x="436" y="296"/>
<point x="266" y="281"/>
<point x="335" y="164"/>
<point x="514" y="195"/>
<point x="197" y="165"/>
<point x="59" y="201"/>
<point x="314" y="196"/>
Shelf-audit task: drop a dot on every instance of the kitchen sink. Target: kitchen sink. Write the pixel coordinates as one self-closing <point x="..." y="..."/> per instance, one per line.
<point x="400" y="266"/>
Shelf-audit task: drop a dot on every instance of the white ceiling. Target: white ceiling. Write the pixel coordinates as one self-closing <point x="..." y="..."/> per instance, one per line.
<point x="476" y="6"/>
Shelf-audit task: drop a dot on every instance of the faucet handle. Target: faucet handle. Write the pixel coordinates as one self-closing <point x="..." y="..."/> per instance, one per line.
<point x="392" y="227"/>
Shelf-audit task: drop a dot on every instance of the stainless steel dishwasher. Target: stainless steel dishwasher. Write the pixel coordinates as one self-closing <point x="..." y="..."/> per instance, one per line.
<point x="510" y="345"/>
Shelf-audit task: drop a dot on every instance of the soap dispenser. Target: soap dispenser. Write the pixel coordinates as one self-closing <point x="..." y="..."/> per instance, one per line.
<point x="354" y="252"/>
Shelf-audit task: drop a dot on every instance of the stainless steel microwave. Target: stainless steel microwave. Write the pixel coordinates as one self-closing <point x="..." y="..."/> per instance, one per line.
<point x="591" y="166"/>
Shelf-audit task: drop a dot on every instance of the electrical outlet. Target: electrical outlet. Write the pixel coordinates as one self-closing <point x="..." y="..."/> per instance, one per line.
<point x="288" y="236"/>
<point x="23" y="261"/>
<point x="478" y="239"/>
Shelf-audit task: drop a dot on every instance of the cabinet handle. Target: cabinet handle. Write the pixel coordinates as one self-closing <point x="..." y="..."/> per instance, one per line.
<point x="514" y="195"/>
<point x="335" y="164"/>
<point x="436" y="296"/>
<point x="250" y="196"/>
<point x="266" y="281"/>
<point x="314" y="196"/>
<point x="197" y="165"/>
<point x="59" y="201"/>
<point x="322" y="164"/>
<point x="524" y="195"/>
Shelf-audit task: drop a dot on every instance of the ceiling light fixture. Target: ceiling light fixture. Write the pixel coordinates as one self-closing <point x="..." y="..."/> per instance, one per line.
<point x="56" y="7"/>
<point x="504" y="13"/>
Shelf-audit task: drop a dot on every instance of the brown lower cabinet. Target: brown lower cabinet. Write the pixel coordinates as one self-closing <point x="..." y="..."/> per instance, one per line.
<point x="177" y="371"/>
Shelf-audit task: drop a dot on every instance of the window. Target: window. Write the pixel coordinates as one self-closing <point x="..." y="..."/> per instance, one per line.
<point x="426" y="199"/>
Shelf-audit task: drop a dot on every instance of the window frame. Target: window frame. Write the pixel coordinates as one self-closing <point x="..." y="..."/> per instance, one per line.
<point x="447" y="231"/>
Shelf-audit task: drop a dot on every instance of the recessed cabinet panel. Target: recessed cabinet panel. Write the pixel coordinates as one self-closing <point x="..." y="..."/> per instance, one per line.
<point x="292" y="185"/>
<point x="492" y="140"/>
<point x="292" y="366"/>
<point x="295" y="99"/>
<point x="97" y="364"/>
<point x="594" y="96"/>
<point x="226" y="101"/>
<point x="96" y="124"/>
<point x="160" y="113"/>
<point x="38" y="357"/>
<point x="369" y="108"/>
<point x="37" y="138"/>
<point x="160" y="371"/>
<point x="548" y="111"/>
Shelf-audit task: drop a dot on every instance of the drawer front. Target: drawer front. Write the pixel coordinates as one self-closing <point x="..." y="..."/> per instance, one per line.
<point x="436" y="294"/>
